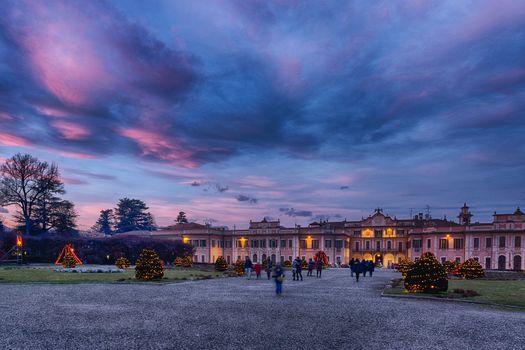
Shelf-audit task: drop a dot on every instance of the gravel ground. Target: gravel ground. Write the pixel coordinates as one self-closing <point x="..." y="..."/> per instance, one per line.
<point x="329" y="313"/>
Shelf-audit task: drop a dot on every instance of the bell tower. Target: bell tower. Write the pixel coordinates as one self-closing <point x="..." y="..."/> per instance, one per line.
<point x="464" y="215"/>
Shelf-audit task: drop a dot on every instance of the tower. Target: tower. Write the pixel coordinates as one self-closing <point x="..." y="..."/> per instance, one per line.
<point x="464" y="215"/>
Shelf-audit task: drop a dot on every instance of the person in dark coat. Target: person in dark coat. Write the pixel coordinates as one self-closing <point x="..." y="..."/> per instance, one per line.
<point x="311" y="265"/>
<point x="371" y="268"/>
<point x="351" y="264"/>
<point x="278" y="275"/>
<point x="357" y="269"/>
<point x="269" y="267"/>
<point x="363" y="266"/>
<point x="294" y="269"/>
<point x="299" y="268"/>
<point x="319" y="268"/>
<point x="248" y="267"/>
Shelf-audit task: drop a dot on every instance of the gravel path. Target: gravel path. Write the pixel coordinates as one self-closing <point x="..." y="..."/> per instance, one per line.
<point x="329" y="313"/>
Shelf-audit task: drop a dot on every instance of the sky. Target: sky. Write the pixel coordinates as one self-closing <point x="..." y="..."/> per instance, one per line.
<point x="294" y="110"/>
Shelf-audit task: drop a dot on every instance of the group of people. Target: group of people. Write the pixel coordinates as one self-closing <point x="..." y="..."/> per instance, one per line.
<point x="361" y="267"/>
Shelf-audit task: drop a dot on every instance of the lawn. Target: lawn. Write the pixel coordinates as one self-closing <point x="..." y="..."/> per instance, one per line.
<point x="510" y="293"/>
<point x="48" y="275"/>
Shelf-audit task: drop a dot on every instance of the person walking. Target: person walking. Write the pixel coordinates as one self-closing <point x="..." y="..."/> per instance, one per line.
<point x="357" y="269"/>
<point x="319" y="268"/>
<point x="294" y="269"/>
<point x="311" y="265"/>
<point x="258" y="269"/>
<point x="299" y="269"/>
<point x="363" y="267"/>
<point x="351" y="264"/>
<point x="269" y="266"/>
<point x="371" y="268"/>
<point x="248" y="267"/>
<point x="278" y="275"/>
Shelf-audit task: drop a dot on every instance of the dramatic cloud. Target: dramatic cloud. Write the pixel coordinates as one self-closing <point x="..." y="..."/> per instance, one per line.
<point x="337" y="107"/>
<point x="293" y="213"/>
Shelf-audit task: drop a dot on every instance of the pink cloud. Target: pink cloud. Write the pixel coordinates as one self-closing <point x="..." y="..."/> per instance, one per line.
<point x="76" y="155"/>
<point x="12" y="140"/>
<point x="71" y="131"/>
<point x="159" y="146"/>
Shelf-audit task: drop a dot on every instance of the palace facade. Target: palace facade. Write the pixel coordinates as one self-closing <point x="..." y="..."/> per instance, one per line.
<point x="496" y="245"/>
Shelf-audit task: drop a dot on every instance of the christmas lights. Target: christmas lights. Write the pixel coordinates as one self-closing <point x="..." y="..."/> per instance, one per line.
<point x="122" y="263"/>
<point x="471" y="269"/>
<point x="221" y="264"/>
<point x="426" y="275"/>
<point x="149" y="266"/>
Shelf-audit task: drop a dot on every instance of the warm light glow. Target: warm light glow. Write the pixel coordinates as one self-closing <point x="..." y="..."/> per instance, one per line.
<point x="367" y="233"/>
<point x="185" y="240"/>
<point x="19" y="241"/>
<point x="243" y="241"/>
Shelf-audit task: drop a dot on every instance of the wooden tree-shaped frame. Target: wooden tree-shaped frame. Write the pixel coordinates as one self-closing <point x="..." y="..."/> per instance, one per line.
<point x="67" y="249"/>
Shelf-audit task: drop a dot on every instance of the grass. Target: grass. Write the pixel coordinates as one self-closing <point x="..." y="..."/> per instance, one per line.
<point x="511" y="293"/>
<point x="46" y="274"/>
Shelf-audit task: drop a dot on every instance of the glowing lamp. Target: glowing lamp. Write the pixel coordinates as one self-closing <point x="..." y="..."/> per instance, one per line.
<point x="19" y="241"/>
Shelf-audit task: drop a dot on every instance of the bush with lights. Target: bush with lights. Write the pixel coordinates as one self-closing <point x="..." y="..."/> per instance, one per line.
<point x="122" y="263"/>
<point x="287" y="263"/>
<point x="149" y="266"/>
<point x="69" y="261"/>
<point x="178" y="261"/>
<point x="221" y="264"/>
<point x="187" y="261"/>
<point x="304" y="263"/>
<point x="450" y="266"/>
<point x="471" y="269"/>
<point x="404" y="266"/>
<point x="239" y="267"/>
<point x="426" y="275"/>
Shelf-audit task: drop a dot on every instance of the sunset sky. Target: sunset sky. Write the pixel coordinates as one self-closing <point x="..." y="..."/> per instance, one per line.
<point x="235" y="110"/>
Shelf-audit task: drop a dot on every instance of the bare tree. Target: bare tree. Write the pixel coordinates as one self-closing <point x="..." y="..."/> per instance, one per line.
<point x="25" y="181"/>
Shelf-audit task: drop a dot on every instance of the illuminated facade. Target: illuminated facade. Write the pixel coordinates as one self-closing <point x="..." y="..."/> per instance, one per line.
<point x="496" y="245"/>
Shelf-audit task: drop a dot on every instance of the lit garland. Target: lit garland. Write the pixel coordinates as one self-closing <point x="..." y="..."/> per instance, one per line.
<point x="426" y="275"/>
<point x="69" y="261"/>
<point x="122" y="263"/>
<point x="471" y="269"/>
<point x="221" y="264"/>
<point x="149" y="266"/>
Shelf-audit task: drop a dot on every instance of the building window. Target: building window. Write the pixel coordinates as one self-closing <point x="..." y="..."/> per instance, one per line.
<point x="357" y="233"/>
<point x="458" y="243"/>
<point x="213" y="243"/>
<point x="443" y="259"/>
<point x="328" y="243"/>
<point x="488" y="263"/>
<point x="429" y="243"/>
<point x="443" y="244"/>
<point x="476" y="258"/>
<point x="356" y="246"/>
<point x="262" y="243"/>
<point x="416" y="244"/>
<point x="302" y="244"/>
<point x="389" y="245"/>
<point x="378" y="245"/>
<point x="273" y="243"/>
<point x="338" y="244"/>
<point x="273" y="258"/>
<point x="315" y="244"/>
<point x="254" y="258"/>
<point x="367" y="245"/>
<point x="228" y="259"/>
<point x="502" y="242"/>
<point x="517" y="241"/>
<point x="290" y="243"/>
<point x="290" y="258"/>
<point x="196" y="258"/>
<point x="378" y="233"/>
<point x="400" y="246"/>
<point x="203" y="243"/>
<point x="488" y="242"/>
<point x="458" y="259"/>
<point x="283" y="243"/>
<point x="203" y="258"/>
<point x="338" y="260"/>
<point x="476" y="243"/>
<point x="282" y="259"/>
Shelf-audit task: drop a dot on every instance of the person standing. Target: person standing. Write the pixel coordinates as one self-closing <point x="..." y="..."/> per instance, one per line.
<point x="351" y="264"/>
<point x="363" y="267"/>
<point x="371" y="268"/>
<point x="299" y="269"/>
<point x="269" y="266"/>
<point x="248" y="267"/>
<point x="311" y="265"/>
<point x="294" y="269"/>
<point x="279" y="279"/>
<point x="258" y="269"/>
<point x="319" y="267"/>
<point x="357" y="269"/>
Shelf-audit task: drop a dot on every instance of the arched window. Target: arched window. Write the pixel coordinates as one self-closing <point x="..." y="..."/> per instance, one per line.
<point x="517" y="262"/>
<point x="254" y="258"/>
<point x="263" y="257"/>
<point x="501" y="262"/>
<point x="273" y="258"/>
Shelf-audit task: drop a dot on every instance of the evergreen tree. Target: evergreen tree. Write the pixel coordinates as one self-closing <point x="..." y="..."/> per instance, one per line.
<point x="239" y="267"/>
<point x="122" y="263"/>
<point x="221" y="264"/>
<point x="63" y="217"/>
<point x="426" y="275"/>
<point x="149" y="266"/>
<point x="181" y="218"/>
<point x="131" y="215"/>
<point x="105" y="223"/>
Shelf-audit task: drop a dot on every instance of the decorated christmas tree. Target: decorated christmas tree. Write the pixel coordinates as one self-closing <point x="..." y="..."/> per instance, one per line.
<point x="221" y="264"/>
<point x="187" y="261"/>
<point x="404" y="266"/>
<point x="239" y="267"/>
<point x="426" y="275"/>
<point x="69" y="261"/>
<point x="178" y="261"/>
<point x="450" y="266"/>
<point x="149" y="266"/>
<point x="122" y="263"/>
<point x="471" y="269"/>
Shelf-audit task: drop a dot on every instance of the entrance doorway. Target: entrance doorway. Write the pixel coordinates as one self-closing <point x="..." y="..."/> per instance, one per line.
<point x="501" y="262"/>
<point x="378" y="259"/>
<point x="517" y="262"/>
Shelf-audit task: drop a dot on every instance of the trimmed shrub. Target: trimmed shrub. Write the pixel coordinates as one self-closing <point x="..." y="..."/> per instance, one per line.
<point x="404" y="266"/>
<point x="221" y="264"/>
<point x="471" y="269"/>
<point x="287" y="263"/>
<point x="69" y="261"/>
<point x="122" y="263"/>
<point x="426" y="275"/>
<point x="450" y="266"/>
<point x="187" y="261"/>
<point x="178" y="261"/>
<point x="304" y="264"/>
<point x="149" y="266"/>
